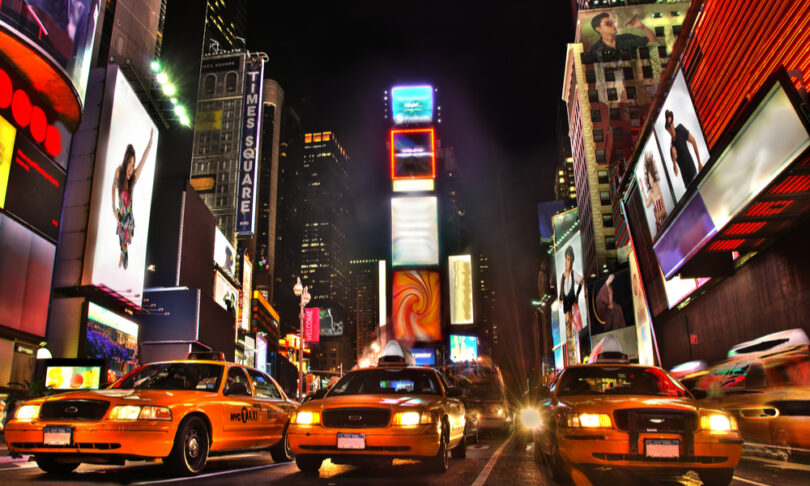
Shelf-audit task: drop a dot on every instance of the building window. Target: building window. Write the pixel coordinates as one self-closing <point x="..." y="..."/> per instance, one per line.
<point x="676" y="29"/>
<point x="600" y="156"/>
<point x="596" y="115"/>
<point x="230" y="82"/>
<point x="607" y="220"/>
<point x="627" y="54"/>
<point x="631" y="92"/>
<point x="612" y="94"/>
<point x="603" y="176"/>
<point x="617" y="134"/>
<point x="659" y="31"/>
<point x="662" y="52"/>
<point x="647" y="72"/>
<point x="604" y="197"/>
<point x="615" y="114"/>
<point x="610" y="243"/>
<point x="210" y="84"/>
<point x="598" y="136"/>
<point x="590" y="75"/>
<point x="628" y="73"/>
<point x="633" y="110"/>
<point x="644" y="52"/>
<point x="593" y="96"/>
<point x="610" y="75"/>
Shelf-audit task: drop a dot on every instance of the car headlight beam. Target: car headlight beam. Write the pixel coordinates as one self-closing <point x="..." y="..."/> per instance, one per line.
<point x="718" y="423"/>
<point x="530" y="418"/>
<point x="589" y="420"/>
<point x="406" y="418"/>
<point x="27" y="412"/>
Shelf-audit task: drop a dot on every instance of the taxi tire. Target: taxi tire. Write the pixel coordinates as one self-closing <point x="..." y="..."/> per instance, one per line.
<point x="281" y="452"/>
<point x="50" y="465"/>
<point x="460" y="451"/>
<point x="716" y="477"/>
<point x="191" y="440"/>
<point x="308" y="463"/>
<point x="440" y="463"/>
<point x="559" y="471"/>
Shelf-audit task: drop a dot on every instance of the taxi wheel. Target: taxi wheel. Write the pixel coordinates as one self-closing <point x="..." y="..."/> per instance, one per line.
<point x="559" y="472"/>
<point x="50" y="465"/>
<point x="308" y="464"/>
<point x="282" y="452"/>
<point x="716" y="477"/>
<point x="190" y="451"/>
<point x="460" y="451"/>
<point x="440" y="463"/>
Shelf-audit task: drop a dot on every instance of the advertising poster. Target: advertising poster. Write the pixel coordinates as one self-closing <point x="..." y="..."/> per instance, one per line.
<point x="626" y="28"/>
<point x="225" y="294"/>
<point x="610" y="304"/>
<point x="261" y="353"/>
<point x="414" y="231"/>
<point x="424" y="356"/>
<point x="331" y="323"/>
<point x="247" y="291"/>
<point x="678" y="132"/>
<point x="644" y="339"/>
<point x="112" y="338"/>
<point x="412" y="104"/>
<point x="413" y="154"/>
<point x="122" y="193"/>
<point x="416" y="306"/>
<point x="653" y="187"/>
<point x="73" y="377"/>
<point x="224" y="253"/>
<point x="249" y="154"/>
<point x="312" y="324"/>
<point x="572" y="299"/>
<point x="461" y="298"/>
<point x="7" y="135"/>
<point x="463" y="348"/>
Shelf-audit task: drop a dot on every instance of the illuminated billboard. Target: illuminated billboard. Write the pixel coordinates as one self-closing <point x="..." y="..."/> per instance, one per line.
<point x="610" y="304"/>
<point x="459" y="269"/>
<point x="247" y="291"/>
<point x="249" y="154"/>
<point x="463" y="348"/>
<point x="641" y="311"/>
<point x="413" y="154"/>
<point x="118" y="227"/>
<point x="424" y="356"/>
<point x="224" y="253"/>
<point x="412" y="104"/>
<point x="225" y="294"/>
<point x="681" y="138"/>
<point x="416" y="306"/>
<point x="653" y="187"/>
<point x="414" y="185"/>
<point x="572" y="306"/>
<point x="603" y="31"/>
<point x="312" y="324"/>
<point x="331" y="322"/>
<point x="65" y="377"/>
<point x="112" y="338"/>
<point x="414" y="231"/>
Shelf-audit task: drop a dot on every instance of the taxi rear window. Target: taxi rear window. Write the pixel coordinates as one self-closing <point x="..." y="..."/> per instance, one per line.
<point x="174" y="376"/>
<point x="387" y="382"/>
<point x="602" y="380"/>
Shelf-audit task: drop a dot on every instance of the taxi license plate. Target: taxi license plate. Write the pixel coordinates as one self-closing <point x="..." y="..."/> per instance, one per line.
<point x="664" y="448"/>
<point x="351" y="441"/>
<point x="57" y="436"/>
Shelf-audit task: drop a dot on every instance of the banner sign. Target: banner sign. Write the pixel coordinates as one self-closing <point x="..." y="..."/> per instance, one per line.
<point x="312" y="324"/>
<point x="249" y="155"/>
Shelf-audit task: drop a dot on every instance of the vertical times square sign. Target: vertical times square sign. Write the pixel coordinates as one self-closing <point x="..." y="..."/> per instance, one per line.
<point x="249" y="155"/>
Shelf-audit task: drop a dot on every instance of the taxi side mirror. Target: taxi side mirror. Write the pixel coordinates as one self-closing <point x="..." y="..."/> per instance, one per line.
<point x="454" y="392"/>
<point x="238" y="388"/>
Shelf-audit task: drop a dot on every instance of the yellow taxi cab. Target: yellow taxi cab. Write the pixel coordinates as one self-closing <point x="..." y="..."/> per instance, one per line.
<point x="617" y="415"/>
<point x="373" y="415"/>
<point x="177" y="411"/>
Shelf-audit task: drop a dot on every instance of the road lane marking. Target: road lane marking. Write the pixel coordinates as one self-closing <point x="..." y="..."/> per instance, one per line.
<point x="750" y="481"/>
<point x="215" y="474"/>
<point x="484" y="474"/>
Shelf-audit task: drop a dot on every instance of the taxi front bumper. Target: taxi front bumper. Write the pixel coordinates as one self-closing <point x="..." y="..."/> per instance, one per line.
<point x="612" y="448"/>
<point x="391" y="441"/>
<point x="149" y="439"/>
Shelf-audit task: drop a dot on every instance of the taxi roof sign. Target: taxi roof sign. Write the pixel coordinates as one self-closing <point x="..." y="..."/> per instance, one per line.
<point x="206" y="356"/>
<point x="608" y="350"/>
<point x="394" y="354"/>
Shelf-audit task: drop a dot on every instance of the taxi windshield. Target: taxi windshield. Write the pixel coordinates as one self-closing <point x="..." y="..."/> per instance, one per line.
<point x="173" y="376"/>
<point x="384" y="381"/>
<point x="606" y="380"/>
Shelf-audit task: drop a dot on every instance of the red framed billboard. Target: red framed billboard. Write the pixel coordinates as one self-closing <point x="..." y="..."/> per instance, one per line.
<point x="413" y="154"/>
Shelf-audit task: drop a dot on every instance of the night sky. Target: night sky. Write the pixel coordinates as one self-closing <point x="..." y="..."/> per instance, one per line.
<point x="498" y="67"/>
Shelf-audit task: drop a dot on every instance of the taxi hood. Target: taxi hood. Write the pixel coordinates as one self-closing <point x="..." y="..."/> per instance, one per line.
<point x="379" y="401"/>
<point x="122" y="395"/>
<point x="618" y="402"/>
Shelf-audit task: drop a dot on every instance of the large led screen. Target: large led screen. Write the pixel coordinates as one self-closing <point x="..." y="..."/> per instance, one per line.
<point x="112" y="338"/>
<point x="416" y="306"/>
<point x="122" y="192"/>
<point x="413" y="154"/>
<point x="463" y="348"/>
<point x="414" y="231"/>
<point x="459" y="269"/>
<point x="653" y="187"/>
<point x="226" y="294"/>
<point x="72" y="377"/>
<point x="681" y="138"/>
<point x="412" y="104"/>
<point x="224" y="253"/>
<point x="572" y="304"/>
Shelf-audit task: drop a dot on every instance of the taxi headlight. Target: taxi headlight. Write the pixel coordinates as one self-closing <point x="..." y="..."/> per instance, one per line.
<point x="591" y="420"/>
<point x="718" y="423"/>
<point x="125" y="412"/>
<point x="414" y="418"/>
<point x="307" y="418"/>
<point x="27" y="412"/>
<point x="530" y="418"/>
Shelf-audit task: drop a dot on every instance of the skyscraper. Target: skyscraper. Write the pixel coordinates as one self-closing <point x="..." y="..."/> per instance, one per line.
<point x="225" y="25"/>
<point x="485" y="304"/>
<point x="564" y="180"/>
<point x="364" y="303"/>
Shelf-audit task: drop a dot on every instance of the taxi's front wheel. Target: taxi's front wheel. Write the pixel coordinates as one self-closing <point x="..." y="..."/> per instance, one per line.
<point x="282" y="452"/>
<point x="439" y="463"/>
<point x="190" y="451"/>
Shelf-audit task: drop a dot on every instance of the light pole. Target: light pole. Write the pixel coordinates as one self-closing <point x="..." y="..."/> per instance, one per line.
<point x="303" y="292"/>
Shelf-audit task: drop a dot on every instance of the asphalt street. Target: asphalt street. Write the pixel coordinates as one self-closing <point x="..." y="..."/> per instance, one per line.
<point x="492" y="462"/>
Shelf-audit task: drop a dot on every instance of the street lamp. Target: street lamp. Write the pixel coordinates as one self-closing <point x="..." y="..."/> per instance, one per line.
<point x="303" y="292"/>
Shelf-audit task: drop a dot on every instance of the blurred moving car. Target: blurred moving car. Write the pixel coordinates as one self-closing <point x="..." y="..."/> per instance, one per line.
<point x="612" y="414"/>
<point x="527" y="415"/>
<point x="485" y="393"/>
<point x="179" y="411"/>
<point x="766" y="385"/>
<point x="373" y="415"/>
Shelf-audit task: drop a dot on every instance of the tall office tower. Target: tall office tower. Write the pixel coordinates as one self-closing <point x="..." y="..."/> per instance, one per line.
<point x="324" y="219"/>
<point x="364" y="302"/>
<point x="264" y="244"/>
<point x="485" y="304"/>
<point x="225" y="25"/>
<point x="608" y="85"/>
<point x="132" y="34"/>
<point x="564" y="180"/>
<point x="286" y="263"/>
<point x="451" y="190"/>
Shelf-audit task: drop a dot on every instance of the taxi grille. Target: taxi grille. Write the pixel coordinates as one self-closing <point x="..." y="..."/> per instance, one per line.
<point x="356" y="417"/>
<point x="74" y="410"/>
<point x="656" y="420"/>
